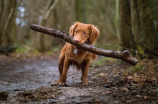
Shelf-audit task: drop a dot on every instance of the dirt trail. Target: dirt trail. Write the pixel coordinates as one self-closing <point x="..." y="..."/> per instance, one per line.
<point x="29" y="81"/>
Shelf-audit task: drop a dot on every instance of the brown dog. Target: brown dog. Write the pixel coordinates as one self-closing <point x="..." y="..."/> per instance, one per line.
<point x="71" y="55"/>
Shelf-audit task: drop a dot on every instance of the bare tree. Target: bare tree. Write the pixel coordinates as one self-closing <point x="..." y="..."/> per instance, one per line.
<point x="149" y="33"/>
<point x="127" y="38"/>
<point x="136" y="25"/>
<point x="147" y="24"/>
<point x="49" y="7"/>
<point x="7" y="21"/>
<point x="117" y="20"/>
<point x="81" y="10"/>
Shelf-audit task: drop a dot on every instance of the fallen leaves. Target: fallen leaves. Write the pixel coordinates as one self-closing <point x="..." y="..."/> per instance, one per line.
<point x="102" y="74"/>
<point x="2" y="82"/>
<point x="108" y="92"/>
<point x="125" y="89"/>
<point x="105" y="80"/>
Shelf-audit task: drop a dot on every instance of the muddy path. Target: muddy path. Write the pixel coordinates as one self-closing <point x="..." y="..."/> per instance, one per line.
<point x="29" y="80"/>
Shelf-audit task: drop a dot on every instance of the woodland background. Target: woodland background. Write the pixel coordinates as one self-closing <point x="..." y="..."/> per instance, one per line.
<point x="123" y="24"/>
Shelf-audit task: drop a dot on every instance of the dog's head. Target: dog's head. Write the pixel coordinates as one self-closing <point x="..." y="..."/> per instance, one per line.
<point x="84" y="33"/>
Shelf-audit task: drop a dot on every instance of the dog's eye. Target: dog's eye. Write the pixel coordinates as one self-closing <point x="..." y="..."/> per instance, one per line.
<point x="84" y="33"/>
<point x="76" y="31"/>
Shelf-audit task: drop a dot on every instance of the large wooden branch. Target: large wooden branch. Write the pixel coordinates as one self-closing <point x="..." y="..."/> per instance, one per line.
<point x="125" y="55"/>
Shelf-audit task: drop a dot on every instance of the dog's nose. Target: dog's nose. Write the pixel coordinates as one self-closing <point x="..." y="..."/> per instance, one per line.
<point x="76" y="40"/>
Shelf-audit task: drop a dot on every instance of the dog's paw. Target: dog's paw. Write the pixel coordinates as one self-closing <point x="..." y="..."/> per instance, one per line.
<point x="54" y="84"/>
<point x="62" y="84"/>
<point x="58" y="83"/>
<point x="85" y="84"/>
<point x="88" y="83"/>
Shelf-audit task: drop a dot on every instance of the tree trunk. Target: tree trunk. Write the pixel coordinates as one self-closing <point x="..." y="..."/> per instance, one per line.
<point x="157" y="26"/>
<point x="1" y="12"/>
<point x="127" y="38"/>
<point x="148" y="27"/>
<point x="149" y="33"/>
<point x="81" y="11"/>
<point x="117" y="20"/>
<point x="136" y="26"/>
<point x="124" y="24"/>
<point x="41" y="37"/>
<point x="7" y="22"/>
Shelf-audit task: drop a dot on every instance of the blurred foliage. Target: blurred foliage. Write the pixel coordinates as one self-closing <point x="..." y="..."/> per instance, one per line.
<point x="99" y="62"/>
<point x="61" y="17"/>
<point x="18" y="15"/>
<point x="140" y="50"/>
<point x="22" y="50"/>
<point x="102" y="61"/>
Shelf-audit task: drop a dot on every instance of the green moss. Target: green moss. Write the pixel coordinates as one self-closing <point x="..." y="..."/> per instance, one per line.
<point x="49" y="52"/>
<point x="36" y="52"/>
<point x="55" y="49"/>
<point x="99" y="62"/>
<point x="102" y="61"/>
<point x="21" y="50"/>
<point x="97" y="75"/>
<point x="140" y="50"/>
<point x="91" y="69"/>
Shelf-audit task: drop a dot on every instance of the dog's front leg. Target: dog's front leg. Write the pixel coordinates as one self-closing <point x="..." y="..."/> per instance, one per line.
<point x="85" y="70"/>
<point x="62" y="80"/>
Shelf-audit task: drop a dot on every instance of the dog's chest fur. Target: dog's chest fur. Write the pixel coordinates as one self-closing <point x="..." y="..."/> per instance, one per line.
<point x="78" y="60"/>
<point x="78" y="57"/>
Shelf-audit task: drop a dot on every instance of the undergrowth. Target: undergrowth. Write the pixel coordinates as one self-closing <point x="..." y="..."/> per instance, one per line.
<point x="145" y="72"/>
<point x="24" y="52"/>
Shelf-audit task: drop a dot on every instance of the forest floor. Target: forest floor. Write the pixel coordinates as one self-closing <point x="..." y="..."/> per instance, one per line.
<point x="28" y="80"/>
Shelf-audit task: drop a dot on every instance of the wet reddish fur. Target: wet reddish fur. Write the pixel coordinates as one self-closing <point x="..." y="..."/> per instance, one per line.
<point x="82" y="58"/>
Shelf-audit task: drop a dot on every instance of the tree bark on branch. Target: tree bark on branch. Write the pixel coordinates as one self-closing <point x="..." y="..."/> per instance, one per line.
<point x="125" y="55"/>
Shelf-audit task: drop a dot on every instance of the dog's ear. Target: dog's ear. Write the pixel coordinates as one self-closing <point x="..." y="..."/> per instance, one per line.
<point x="72" y="29"/>
<point x="94" y="33"/>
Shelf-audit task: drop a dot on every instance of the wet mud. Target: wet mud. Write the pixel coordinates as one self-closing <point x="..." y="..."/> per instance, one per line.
<point x="29" y="80"/>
